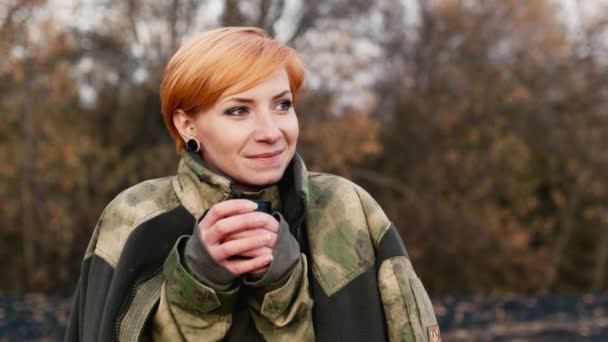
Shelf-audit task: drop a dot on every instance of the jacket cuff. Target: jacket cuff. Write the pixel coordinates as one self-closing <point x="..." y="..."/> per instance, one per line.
<point x="203" y="266"/>
<point x="185" y="290"/>
<point x="288" y="302"/>
<point x="285" y="256"/>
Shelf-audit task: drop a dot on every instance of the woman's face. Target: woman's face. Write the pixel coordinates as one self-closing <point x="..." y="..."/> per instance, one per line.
<point x="250" y="136"/>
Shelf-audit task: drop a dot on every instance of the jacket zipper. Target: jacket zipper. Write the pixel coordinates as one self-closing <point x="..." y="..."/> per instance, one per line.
<point x="129" y="301"/>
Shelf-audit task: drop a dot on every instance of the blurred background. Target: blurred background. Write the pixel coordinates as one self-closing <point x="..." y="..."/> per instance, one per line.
<point x="481" y="127"/>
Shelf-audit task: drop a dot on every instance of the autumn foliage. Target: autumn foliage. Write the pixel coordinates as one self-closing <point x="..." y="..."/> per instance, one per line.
<point x="480" y="126"/>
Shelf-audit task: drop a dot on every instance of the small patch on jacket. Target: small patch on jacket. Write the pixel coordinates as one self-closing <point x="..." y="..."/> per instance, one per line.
<point x="434" y="335"/>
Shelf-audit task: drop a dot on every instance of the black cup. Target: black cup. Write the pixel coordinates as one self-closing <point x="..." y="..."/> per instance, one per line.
<point x="263" y="206"/>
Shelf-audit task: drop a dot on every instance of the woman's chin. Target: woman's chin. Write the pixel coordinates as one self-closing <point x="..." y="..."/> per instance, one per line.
<point x="263" y="181"/>
<point x="256" y="181"/>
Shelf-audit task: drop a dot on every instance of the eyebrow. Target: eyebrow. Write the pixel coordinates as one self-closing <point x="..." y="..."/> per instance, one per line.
<point x="245" y="100"/>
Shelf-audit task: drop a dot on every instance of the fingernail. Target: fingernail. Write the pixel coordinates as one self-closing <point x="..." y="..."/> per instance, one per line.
<point x="270" y="257"/>
<point x="252" y="205"/>
<point x="268" y="238"/>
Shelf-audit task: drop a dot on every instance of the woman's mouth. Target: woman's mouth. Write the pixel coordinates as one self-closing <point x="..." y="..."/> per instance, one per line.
<point x="267" y="157"/>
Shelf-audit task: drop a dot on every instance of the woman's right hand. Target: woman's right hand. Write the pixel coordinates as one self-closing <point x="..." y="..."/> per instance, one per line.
<point x="233" y="228"/>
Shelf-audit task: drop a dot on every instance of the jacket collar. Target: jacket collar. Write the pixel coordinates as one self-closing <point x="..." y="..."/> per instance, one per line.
<point x="198" y="188"/>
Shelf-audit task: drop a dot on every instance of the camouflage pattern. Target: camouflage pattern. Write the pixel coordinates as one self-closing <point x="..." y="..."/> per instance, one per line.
<point x="345" y="226"/>
<point x="377" y="222"/>
<point x="189" y="309"/>
<point x="342" y="230"/>
<point x="197" y="187"/>
<point x="146" y="296"/>
<point x="270" y="194"/>
<point x="277" y="310"/>
<point x="128" y="210"/>
<point x="407" y="307"/>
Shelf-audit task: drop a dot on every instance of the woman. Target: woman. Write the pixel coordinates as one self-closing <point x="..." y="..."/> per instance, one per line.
<point x="323" y="262"/>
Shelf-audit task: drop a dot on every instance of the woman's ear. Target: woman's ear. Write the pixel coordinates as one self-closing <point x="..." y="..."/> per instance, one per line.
<point x="184" y="124"/>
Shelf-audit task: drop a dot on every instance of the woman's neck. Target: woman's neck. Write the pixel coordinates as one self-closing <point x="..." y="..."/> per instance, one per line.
<point x="249" y="188"/>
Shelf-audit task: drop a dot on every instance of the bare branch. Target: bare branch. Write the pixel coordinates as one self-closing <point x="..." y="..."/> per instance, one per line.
<point x="232" y="15"/>
<point x="307" y="21"/>
<point x="276" y="14"/>
<point x="173" y="17"/>
<point x="132" y="8"/>
<point x="264" y="13"/>
<point x="11" y="11"/>
<point x="599" y="272"/>
<point x="389" y="182"/>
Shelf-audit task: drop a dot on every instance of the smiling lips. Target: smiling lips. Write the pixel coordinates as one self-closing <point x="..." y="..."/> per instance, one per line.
<point x="266" y="156"/>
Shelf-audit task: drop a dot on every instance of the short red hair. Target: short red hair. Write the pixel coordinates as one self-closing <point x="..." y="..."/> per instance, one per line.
<point x="213" y="61"/>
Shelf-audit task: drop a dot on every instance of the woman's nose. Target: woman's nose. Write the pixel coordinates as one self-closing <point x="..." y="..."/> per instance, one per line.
<point x="267" y="129"/>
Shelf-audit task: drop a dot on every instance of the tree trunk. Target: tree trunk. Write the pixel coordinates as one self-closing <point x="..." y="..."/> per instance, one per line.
<point x="563" y="237"/>
<point x="27" y="182"/>
<point x="599" y="274"/>
<point x="173" y="17"/>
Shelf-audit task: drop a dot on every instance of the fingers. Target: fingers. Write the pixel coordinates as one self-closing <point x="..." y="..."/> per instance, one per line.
<point x="237" y="247"/>
<point x="239" y="267"/>
<point x="228" y="208"/>
<point x="218" y="231"/>
<point x="264" y="250"/>
<point x="260" y="270"/>
<point x="252" y="232"/>
<point x="232" y="228"/>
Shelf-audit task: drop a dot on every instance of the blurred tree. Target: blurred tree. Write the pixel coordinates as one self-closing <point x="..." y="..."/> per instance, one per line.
<point x="478" y="125"/>
<point x="82" y="118"/>
<point x="490" y="132"/>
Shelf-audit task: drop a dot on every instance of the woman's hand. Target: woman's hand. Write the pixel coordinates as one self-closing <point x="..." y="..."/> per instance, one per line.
<point x="233" y="229"/>
<point x="258" y="252"/>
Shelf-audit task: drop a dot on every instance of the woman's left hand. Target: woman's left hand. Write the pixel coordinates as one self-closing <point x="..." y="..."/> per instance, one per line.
<point x="272" y="228"/>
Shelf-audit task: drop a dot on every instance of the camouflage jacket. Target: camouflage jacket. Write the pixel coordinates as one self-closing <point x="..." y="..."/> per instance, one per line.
<point x="354" y="280"/>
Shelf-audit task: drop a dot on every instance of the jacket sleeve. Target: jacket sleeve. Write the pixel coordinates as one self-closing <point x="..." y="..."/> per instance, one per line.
<point x="192" y="306"/>
<point x="87" y="320"/>
<point x="281" y="302"/>
<point x="86" y="311"/>
<point x="407" y="306"/>
<point x="188" y="308"/>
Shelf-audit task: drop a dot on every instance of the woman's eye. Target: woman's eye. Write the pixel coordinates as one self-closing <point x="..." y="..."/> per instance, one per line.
<point x="236" y="111"/>
<point x="284" y="105"/>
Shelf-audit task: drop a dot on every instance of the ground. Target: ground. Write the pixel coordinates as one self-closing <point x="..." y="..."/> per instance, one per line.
<point x="550" y="318"/>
